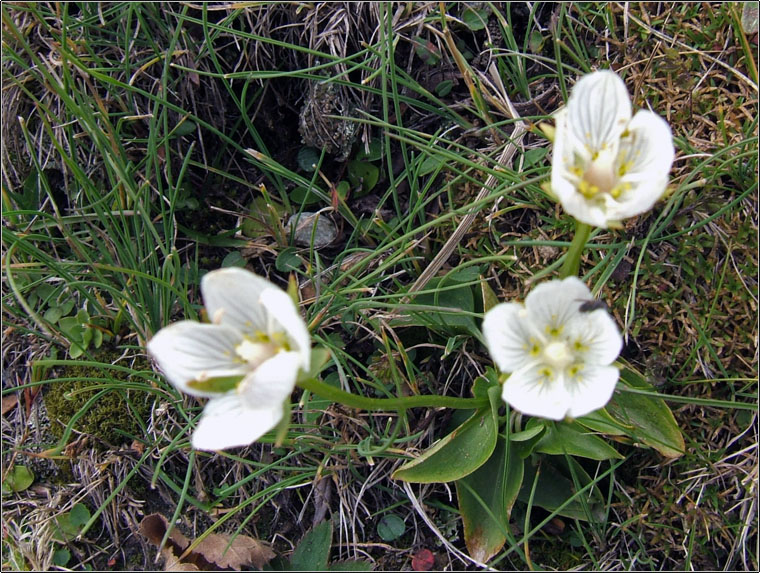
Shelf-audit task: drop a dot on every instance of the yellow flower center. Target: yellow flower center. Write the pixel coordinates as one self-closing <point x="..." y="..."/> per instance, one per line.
<point x="558" y="355"/>
<point x="600" y="175"/>
<point x="255" y="353"/>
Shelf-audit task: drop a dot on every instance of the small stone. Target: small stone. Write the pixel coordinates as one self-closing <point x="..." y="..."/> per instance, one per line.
<point x="324" y="233"/>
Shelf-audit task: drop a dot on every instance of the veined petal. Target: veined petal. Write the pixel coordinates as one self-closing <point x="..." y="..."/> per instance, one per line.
<point x="645" y="157"/>
<point x="591" y="390"/>
<point x="553" y="304"/>
<point x="506" y="335"/>
<point x="528" y="391"/>
<point x="599" y="110"/>
<point x="227" y="423"/>
<point x="232" y="297"/>
<point x="280" y="308"/>
<point x="188" y="351"/>
<point x="271" y="383"/>
<point x="598" y="335"/>
<point x="567" y="151"/>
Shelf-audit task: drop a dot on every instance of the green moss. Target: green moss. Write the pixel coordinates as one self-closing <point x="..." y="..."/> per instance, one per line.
<point x="112" y="418"/>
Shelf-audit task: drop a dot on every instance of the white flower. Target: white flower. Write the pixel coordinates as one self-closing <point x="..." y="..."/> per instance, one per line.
<point x="607" y="166"/>
<point x="246" y="361"/>
<point x="559" y="355"/>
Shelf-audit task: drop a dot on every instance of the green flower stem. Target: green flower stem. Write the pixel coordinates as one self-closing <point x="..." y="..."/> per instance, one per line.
<point x="573" y="258"/>
<point x="365" y="403"/>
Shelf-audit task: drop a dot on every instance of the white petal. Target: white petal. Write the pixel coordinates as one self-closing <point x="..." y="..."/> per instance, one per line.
<point x="526" y="391"/>
<point x="232" y="297"/>
<point x="647" y="152"/>
<point x="598" y="333"/>
<point x="506" y="336"/>
<point x="553" y="304"/>
<point x="280" y="307"/>
<point x="271" y="383"/>
<point x="564" y="153"/>
<point x="598" y="110"/>
<point x="189" y="350"/>
<point x="592" y="390"/>
<point x="227" y="423"/>
<point x="585" y="211"/>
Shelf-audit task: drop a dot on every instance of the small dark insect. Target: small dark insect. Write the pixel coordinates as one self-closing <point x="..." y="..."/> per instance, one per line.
<point x="592" y="305"/>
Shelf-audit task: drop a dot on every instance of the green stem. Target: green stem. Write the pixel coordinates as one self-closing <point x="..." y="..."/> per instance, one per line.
<point x="573" y="258"/>
<point x="364" y="403"/>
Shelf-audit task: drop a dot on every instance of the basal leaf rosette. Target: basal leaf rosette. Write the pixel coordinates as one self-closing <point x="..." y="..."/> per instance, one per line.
<point x="608" y="166"/>
<point x="246" y="361"/>
<point x="559" y="356"/>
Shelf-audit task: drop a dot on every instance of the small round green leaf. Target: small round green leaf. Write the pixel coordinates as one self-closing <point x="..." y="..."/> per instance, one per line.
<point x="364" y="174"/>
<point x="303" y="196"/>
<point x="19" y="479"/>
<point x="475" y="19"/>
<point x="391" y="527"/>
<point x="233" y="259"/>
<point x="61" y="557"/>
<point x="288" y="260"/>
<point x="185" y="128"/>
<point x="444" y="88"/>
<point x="308" y="159"/>
<point x="375" y="151"/>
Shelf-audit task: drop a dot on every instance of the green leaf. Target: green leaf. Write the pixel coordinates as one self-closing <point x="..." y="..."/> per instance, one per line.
<point x="429" y="165"/>
<point x="556" y="489"/>
<point x="475" y="19"/>
<point x="18" y="479"/>
<point x="652" y="421"/>
<point x="444" y="88"/>
<point x="391" y="527"/>
<point x="526" y="440"/>
<point x="67" y="306"/>
<point x="536" y="42"/>
<point x="601" y="421"/>
<point x="485" y="382"/>
<point x="459" y="453"/>
<point x="320" y="358"/>
<point x="342" y="189"/>
<point x="233" y="259"/>
<point x="458" y="297"/>
<point x="570" y="438"/>
<point x="97" y="337"/>
<point x="364" y="174"/>
<point x="72" y="328"/>
<point x="375" y="151"/>
<point x="75" y="350"/>
<point x="61" y="557"/>
<point x="53" y="314"/>
<point x="534" y="156"/>
<point x="303" y="196"/>
<point x="314" y="549"/>
<point x="308" y="159"/>
<point x="486" y="497"/>
<point x="527" y="434"/>
<point x="68" y="525"/>
<point x="426" y="51"/>
<point x="487" y="295"/>
<point x="288" y="260"/>
<point x="262" y="218"/>
<point x="220" y="384"/>
<point x="79" y="515"/>
<point x="185" y="128"/>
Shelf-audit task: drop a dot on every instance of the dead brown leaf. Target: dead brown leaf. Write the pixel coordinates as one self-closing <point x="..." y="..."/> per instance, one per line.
<point x="216" y="551"/>
<point x="9" y="402"/>
<point x="242" y="550"/>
